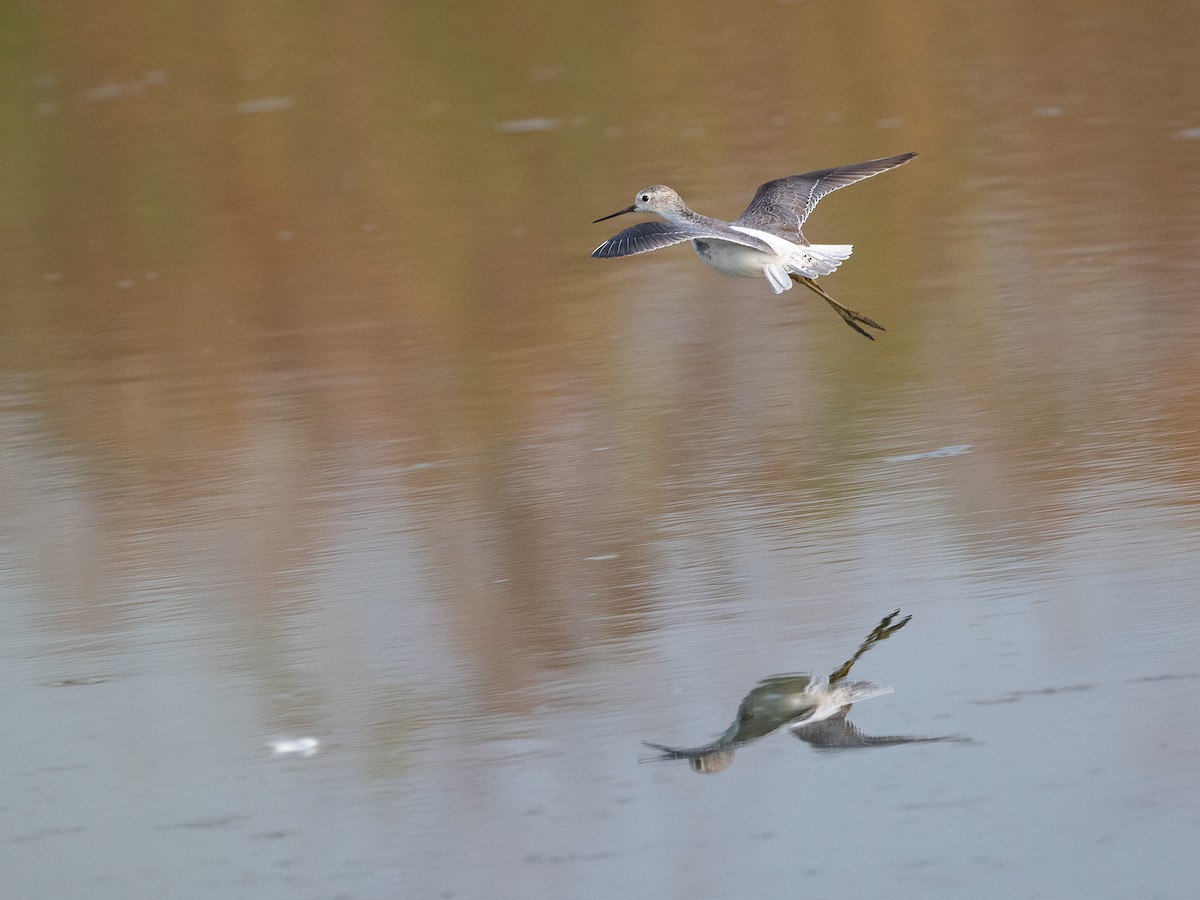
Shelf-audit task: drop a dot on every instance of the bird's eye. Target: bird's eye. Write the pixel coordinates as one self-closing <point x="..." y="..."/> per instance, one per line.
<point x="645" y="198"/>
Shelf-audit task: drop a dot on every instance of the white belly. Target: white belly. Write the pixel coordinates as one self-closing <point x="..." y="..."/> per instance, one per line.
<point x="737" y="260"/>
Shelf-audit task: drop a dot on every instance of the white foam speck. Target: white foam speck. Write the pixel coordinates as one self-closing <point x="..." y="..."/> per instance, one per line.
<point x="304" y="747"/>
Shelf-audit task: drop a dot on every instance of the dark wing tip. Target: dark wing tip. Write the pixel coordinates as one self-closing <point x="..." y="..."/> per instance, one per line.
<point x="613" y="248"/>
<point x="889" y="162"/>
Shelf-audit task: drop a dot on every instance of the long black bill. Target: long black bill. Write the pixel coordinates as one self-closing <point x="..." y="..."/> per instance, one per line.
<point x="622" y="212"/>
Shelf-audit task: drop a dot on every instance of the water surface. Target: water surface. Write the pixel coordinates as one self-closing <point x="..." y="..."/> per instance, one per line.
<point x="319" y="422"/>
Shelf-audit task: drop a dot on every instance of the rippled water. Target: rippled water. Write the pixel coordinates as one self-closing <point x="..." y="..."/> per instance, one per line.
<point x="358" y="527"/>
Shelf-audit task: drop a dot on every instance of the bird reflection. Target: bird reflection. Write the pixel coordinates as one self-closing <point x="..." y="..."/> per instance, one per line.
<point x="813" y="709"/>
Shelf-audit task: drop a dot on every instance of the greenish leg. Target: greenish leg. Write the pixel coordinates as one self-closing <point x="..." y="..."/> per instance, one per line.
<point x="849" y="316"/>
<point x="884" y="629"/>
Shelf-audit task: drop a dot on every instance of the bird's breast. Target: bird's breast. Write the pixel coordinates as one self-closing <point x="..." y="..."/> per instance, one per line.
<point x="736" y="260"/>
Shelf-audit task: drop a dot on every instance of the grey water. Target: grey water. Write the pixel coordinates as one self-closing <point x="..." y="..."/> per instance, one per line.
<point x="357" y="527"/>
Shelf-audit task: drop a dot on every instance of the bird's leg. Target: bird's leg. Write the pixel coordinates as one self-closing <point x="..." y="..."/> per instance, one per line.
<point x="883" y="630"/>
<point x="849" y="316"/>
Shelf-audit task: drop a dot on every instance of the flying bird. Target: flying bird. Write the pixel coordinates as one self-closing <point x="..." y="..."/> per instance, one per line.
<point x="764" y="241"/>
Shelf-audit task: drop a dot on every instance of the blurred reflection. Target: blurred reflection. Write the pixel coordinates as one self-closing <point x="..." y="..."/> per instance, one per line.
<point x="813" y="709"/>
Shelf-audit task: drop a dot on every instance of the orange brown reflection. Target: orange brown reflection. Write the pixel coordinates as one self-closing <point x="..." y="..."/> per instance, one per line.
<point x="301" y="278"/>
<point x="813" y="709"/>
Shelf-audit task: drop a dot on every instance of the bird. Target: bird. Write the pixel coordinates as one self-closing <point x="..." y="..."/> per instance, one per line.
<point x="813" y="709"/>
<point x="792" y="701"/>
<point x="766" y="240"/>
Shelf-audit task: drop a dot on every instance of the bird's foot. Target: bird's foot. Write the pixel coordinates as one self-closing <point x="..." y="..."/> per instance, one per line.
<point x="849" y="316"/>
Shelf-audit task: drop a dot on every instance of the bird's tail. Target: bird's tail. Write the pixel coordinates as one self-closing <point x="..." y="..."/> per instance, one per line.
<point x="856" y="691"/>
<point x="824" y="258"/>
<point x="808" y="261"/>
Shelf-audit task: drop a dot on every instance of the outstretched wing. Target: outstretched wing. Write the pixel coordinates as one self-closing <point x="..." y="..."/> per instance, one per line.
<point x="781" y="206"/>
<point x="642" y="238"/>
<point x="647" y="236"/>
<point x="839" y="733"/>
<point x="836" y="732"/>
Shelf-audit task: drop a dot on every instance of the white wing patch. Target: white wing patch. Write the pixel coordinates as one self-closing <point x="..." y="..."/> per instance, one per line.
<point x="781" y="247"/>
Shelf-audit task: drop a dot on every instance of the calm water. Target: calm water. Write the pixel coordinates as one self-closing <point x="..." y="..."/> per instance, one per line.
<point x="319" y="422"/>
